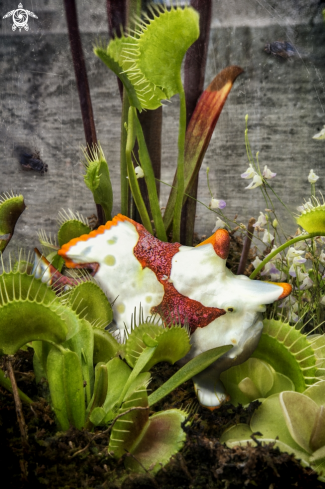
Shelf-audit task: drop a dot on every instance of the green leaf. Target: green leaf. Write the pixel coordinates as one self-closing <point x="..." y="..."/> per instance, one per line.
<point x="240" y="431"/>
<point x="128" y="428"/>
<point x="317" y="438"/>
<point x="97" y="179"/>
<point x="89" y="301"/>
<point x="133" y="181"/>
<point x="300" y="414"/>
<point x="193" y="367"/>
<point x="105" y="346"/>
<point x="118" y="374"/>
<point x="66" y="388"/>
<point x="268" y="419"/>
<point x="171" y="344"/>
<point x="142" y="362"/>
<point x="161" y="47"/>
<point x="281" y="383"/>
<point x="150" y="180"/>
<point x="200" y="130"/>
<point x="11" y="208"/>
<point x="250" y="380"/>
<point x="317" y="460"/>
<point x="70" y="230"/>
<point x="287" y="350"/>
<point x="111" y="57"/>
<point x="100" y="393"/>
<point x="316" y="392"/>
<point x="163" y="436"/>
<point x="149" y="64"/>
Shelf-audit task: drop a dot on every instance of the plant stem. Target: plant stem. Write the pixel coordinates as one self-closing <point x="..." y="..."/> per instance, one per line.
<point x="18" y="405"/>
<point x="123" y="165"/>
<point x="180" y="168"/>
<point x="283" y="247"/>
<point x="246" y="247"/>
<point x="131" y="173"/>
<point x="194" y="72"/>
<point x="150" y="181"/>
<point x="82" y="82"/>
<point x="151" y="123"/>
<point x="133" y="9"/>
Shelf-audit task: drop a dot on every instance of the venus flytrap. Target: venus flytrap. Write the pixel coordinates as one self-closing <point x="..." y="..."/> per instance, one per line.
<point x="11" y="207"/>
<point x="293" y="421"/>
<point x="66" y="347"/>
<point x="97" y="178"/>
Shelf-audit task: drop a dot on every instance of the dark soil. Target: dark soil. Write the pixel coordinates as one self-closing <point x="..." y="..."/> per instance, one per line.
<point x="52" y="461"/>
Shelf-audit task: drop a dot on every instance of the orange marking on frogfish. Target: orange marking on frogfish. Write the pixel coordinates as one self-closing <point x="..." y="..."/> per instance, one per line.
<point x="220" y="241"/>
<point x="286" y="289"/>
<point x="66" y="247"/>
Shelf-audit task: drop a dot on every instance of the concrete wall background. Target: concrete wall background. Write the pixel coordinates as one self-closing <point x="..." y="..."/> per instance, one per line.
<point x="285" y="101"/>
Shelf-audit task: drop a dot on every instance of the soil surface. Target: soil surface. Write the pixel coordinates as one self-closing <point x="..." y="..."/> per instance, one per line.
<point x="76" y="459"/>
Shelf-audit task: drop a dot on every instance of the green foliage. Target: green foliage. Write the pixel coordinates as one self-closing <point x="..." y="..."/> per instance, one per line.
<point x="149" y="63"/>
<point x="89" y="385"/>
<point x="288" y="351"/>
<point x="98" y="180"/>
<point x="11" y="207"/>
<point x="312" y="218"/>
<point x="171" y="344"/>
<point x="294" y="421"/>
<point x="285" y="360"/>
<point x="89" y="301"/>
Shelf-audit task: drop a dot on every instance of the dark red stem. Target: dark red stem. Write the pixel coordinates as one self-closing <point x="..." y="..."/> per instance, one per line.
<point x="116" y="15"/>
<point x="82" y="82"/>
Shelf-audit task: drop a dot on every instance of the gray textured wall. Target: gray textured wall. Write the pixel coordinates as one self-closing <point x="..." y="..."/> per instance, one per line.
<point x="285" y="101"/>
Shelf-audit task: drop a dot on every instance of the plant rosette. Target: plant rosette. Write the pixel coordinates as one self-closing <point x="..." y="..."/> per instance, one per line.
<point x="293" y="421"/>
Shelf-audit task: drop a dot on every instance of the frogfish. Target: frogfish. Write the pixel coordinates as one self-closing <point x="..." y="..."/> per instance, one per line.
<point x="135" y="269"/>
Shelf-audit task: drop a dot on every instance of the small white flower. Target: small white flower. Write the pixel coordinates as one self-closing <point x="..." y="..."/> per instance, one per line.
<point x="293" y="253"/>
<point x="320" y="135"/>
<point x="312" y="177"/>
<point x="268" y="237"/>
<point x="257" y="181"/>
<point x="300" y="245"/>
<point x="261" y="221"/>
<point x="270" y="269"/>
<point x="306" y="284"/>
<point x="249" y="173"/>
<point x="139" y="172"/>
<point x="256" y="262"/>
<point x="220" y="224"/>
<point x="322" y="257"/>
<point x="267" y="173"/>
<point x="301" y="275"/>
<point x="217" y="204"/>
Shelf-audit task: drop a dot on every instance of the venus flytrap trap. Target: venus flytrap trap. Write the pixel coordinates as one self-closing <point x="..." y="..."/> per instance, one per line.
<point x="97" y="178"/>
<point x="11" y="207"/>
